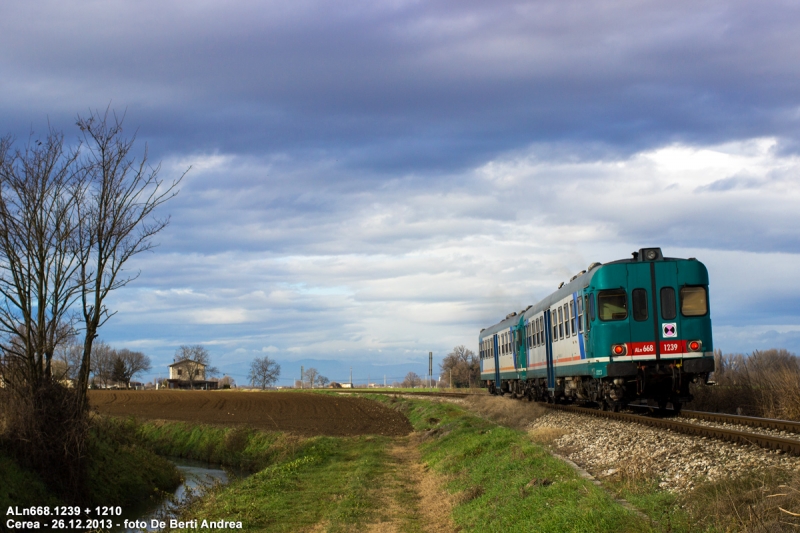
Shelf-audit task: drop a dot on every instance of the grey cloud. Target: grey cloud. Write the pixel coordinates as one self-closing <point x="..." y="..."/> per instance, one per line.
<point x="414" y="85"/>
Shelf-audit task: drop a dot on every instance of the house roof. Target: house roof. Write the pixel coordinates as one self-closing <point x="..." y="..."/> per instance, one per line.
<point x="182" y="361"/>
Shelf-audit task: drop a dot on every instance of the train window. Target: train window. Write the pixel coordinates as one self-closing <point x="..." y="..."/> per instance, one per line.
<point x="560" y="323"/>
<point x="613" y="304"/>
<point x="668" y="308"/>
<point x="541" y="331"/>
<point x="572" y="317"/>
<point x="588" y="302"/>
<point x="580" y="315"/>
<point x="569" y="318"/>
<point x="554" y="321"/>
<point x="694" y="301"/>
<point x="639" y="301"/>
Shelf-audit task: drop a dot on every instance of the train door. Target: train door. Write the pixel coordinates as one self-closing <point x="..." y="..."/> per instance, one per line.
<point x="668" y="320"/>
<point x="522" y="349"/>
<point x="496" y="363"/>
<point x="548" y="347"/>
<point x="643" y="320"/>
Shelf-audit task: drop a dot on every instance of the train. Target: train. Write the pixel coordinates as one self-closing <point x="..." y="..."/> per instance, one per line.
<point x="632" y="331"/>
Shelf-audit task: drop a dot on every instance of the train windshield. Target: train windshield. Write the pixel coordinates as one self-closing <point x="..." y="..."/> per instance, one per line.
<point x="694" y="301"/>
<point x="612" y="304"/>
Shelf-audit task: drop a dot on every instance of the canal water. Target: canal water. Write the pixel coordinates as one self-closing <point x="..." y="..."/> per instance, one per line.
<point x="197" y="475"/>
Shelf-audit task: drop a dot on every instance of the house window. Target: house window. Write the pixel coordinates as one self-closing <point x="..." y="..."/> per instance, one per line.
<point x="180" y="372"/>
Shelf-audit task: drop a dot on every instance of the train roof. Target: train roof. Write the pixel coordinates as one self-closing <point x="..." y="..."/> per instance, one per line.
<point x="580" y="281"/>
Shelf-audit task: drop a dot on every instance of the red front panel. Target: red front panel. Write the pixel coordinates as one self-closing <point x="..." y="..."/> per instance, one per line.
<point x="646" y="349"/>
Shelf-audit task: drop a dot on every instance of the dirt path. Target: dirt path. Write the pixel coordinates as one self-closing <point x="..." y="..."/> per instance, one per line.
<point x="413" y="497"/>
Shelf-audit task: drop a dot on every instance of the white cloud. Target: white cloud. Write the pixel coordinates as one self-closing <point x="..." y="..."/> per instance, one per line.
<point x="406" y="266"/>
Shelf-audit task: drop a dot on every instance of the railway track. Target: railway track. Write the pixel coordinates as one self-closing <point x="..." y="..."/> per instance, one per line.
<point x="790" y="445"/>
<point x="722" y="418"/>
<point x="405" y="393"/>
<point x="767" y="423"/>
<point x="787" y="444"/>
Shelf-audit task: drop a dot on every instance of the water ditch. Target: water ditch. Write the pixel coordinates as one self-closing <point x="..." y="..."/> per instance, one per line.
<point x="197" y="476"/>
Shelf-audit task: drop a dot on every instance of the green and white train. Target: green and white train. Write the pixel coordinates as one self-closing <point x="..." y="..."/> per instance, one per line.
<point x="628" y="331"/>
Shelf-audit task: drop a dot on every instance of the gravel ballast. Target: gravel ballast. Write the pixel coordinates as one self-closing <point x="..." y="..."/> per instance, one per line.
<point x="609" y="447"/>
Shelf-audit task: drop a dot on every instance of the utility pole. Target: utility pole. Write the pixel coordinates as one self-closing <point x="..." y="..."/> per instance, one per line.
<point x="302" y="371"/>
<point x="351" y="377"/>
<point x="430" y="368"/>
<point x="451" y="378"/>
<point x="384" y="381"/>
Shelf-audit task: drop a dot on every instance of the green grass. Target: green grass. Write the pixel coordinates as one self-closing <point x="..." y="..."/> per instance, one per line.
<point x="21" y="487"/>
<point x="121" y="470"/>
<point x="329" y="480"/>
<point x="507" y="483"/>
<point x="240" y="447"/>
<point x="500" y="480"/>
<point x="745" y="503"/>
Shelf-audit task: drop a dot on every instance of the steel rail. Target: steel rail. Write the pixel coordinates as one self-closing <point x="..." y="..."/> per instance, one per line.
<point x="724" y="418"/>
<point x="769" y="423"/>
<point x="742" y="437"/>
<point x="425" y="393"/>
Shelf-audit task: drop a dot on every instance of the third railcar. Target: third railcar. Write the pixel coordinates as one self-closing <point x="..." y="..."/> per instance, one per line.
<point x="629" y="330"/>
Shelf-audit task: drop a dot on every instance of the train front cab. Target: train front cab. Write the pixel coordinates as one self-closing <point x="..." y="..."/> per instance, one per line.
<point x="650" y="317"/>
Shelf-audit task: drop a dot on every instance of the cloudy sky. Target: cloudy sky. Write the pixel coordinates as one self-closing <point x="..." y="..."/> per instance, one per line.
<point x="371" y="181"/>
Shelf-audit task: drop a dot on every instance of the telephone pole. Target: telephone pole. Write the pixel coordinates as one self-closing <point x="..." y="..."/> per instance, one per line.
<point x="430" y="368"/>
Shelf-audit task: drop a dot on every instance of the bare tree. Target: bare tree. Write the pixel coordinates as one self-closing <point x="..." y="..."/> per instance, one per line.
<point x="103" y="357"/>
<point x="37" y="261"/>
<point x="198" y="362"/>
<point x="323" y="381"/>
<point x="67" y="360"/>
<point x="464" y="365"/>
<point x="264" y="372"/>
<point x="117" y="219"/>
<point x="412" y="380"/>
<point x="132" y="363"/>
<point x="311" y="375"/>
<point x="227" y="382"/>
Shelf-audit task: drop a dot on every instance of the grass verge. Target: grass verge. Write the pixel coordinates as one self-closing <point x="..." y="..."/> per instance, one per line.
<point x="498" y="478"/>
<point x="505" y="482"/>
<point x="327" y="481"/>
<point x="758" y="502"/>
<point x="122" y="470"/>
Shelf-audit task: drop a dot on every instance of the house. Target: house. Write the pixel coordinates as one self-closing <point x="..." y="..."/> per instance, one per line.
<point x="189" y="374"/>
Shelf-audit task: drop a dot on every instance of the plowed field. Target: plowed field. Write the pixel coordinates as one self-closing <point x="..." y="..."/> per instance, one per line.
<point x="294" y="412"/>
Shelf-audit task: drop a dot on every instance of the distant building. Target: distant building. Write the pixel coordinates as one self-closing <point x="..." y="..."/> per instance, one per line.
<point x="189" y="374"/>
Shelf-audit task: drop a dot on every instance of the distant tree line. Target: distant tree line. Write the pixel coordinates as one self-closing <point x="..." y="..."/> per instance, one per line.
<point x="765" y="383"/>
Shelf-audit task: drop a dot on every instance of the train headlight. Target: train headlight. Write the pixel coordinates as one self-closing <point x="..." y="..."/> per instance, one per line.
<point x="618" y="349"/>
<point x="695" y="346"/>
